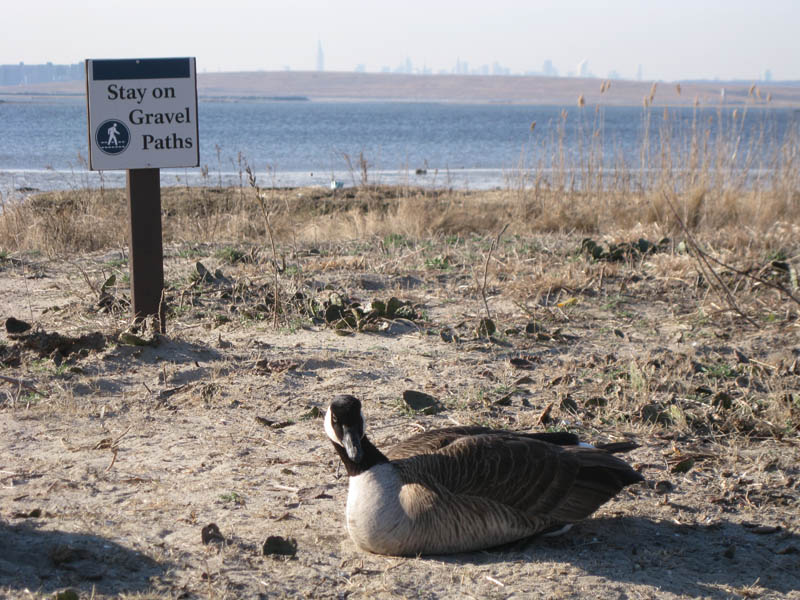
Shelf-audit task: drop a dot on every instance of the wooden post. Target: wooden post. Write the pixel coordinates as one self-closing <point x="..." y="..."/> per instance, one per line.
<point x="146" y="251"/>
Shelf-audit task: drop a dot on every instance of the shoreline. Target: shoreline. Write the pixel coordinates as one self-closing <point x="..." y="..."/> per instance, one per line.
<point x="27" y="97"/>
<point x="18" y="184"/>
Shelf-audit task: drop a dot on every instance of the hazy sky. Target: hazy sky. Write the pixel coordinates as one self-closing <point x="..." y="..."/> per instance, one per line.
<point x="677" y="39"/>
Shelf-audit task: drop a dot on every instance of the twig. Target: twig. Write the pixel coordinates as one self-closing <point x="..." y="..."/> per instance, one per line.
<point x="759" y="279"/>
<point x="703" y="262"/>
<point x="92" y="287"/>
<point x="252" y="180"/>
<point x="494" y="581"/>
<point x="482" y="288"/>
<point x="20" y="383"/>
<point x="113" y="458"/>
<point x="286" y="488"/>
<point x="115" y="443"/>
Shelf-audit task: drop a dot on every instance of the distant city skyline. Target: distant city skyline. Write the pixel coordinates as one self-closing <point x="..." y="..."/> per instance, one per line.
<point x="630" y="39"/>
<point x="24" y="73"/>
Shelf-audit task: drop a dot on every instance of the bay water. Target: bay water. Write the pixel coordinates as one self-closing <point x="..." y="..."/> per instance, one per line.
<point x="43" y="142"/>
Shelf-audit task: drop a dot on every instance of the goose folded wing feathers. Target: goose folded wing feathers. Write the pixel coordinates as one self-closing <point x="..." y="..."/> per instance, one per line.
<point x="600" y="477"/>
<point x="527" y="475"/>
<point x="432" y="441"/>
<point x="533" y="477"/>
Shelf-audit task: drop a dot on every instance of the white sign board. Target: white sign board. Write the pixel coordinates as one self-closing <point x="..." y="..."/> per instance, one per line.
<point x="142" y="113"/>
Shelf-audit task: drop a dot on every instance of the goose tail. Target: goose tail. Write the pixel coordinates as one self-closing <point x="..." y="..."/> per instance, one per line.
<point x="600" y="477"/>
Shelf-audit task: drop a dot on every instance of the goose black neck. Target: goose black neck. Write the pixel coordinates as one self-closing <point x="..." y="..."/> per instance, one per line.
<point x="372" y="457"/>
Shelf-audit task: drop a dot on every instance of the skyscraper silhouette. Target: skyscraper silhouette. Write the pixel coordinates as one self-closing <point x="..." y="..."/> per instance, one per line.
<point x="320" y="57"/>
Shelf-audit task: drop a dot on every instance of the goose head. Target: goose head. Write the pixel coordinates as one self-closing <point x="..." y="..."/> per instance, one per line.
<point x="344" y="425"/>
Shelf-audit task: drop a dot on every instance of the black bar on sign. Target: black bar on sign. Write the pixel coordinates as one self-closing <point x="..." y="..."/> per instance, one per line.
<point x="146" y="252"/>
<point x="141" y="68"/>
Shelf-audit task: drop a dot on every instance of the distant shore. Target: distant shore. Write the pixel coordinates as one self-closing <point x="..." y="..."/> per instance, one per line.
<point x="528" y="90"/>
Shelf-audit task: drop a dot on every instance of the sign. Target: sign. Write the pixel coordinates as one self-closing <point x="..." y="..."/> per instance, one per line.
<point x="142" y="113"/>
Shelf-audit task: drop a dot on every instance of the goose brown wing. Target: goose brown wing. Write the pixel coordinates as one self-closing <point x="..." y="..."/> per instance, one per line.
<point x="601" y="476"/>
<point x="523" y="473"/>
<point x="536" y="477"/>
<point x="433" y="441"/>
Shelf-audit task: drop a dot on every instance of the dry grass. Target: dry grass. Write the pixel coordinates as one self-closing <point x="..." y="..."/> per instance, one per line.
<point x="60" y="223"/>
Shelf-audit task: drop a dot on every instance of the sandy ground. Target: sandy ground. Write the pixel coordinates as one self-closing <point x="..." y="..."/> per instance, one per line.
<point x="123" y="454"/>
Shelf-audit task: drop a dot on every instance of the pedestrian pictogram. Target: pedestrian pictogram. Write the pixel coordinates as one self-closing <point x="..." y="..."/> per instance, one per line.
<point x="112" y="136"/>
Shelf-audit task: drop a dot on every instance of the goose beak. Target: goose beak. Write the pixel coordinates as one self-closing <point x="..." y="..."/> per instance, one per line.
<point x="352" y="444"/>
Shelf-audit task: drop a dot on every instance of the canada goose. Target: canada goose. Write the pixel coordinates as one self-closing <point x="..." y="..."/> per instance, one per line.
<point x="467" y="488"/>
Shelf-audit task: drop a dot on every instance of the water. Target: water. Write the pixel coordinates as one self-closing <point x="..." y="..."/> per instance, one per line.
<point x="43" y="142"/>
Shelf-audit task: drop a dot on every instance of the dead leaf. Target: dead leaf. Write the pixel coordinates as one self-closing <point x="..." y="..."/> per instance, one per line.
<point x="544" y="417"/>
<point x="683" y="466"/>
<point x="420" y="401"/>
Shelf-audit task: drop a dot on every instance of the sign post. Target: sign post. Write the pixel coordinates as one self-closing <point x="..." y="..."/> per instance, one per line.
<point x="142" y="116"/>
<point x="146" y="255"/>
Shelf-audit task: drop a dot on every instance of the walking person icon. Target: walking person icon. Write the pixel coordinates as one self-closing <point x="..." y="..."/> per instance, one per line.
<point x="112" y="133"/>
<point x="112" y="136"/>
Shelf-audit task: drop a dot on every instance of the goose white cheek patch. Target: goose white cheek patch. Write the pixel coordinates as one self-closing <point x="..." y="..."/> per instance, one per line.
<point x="329" y="428"/>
